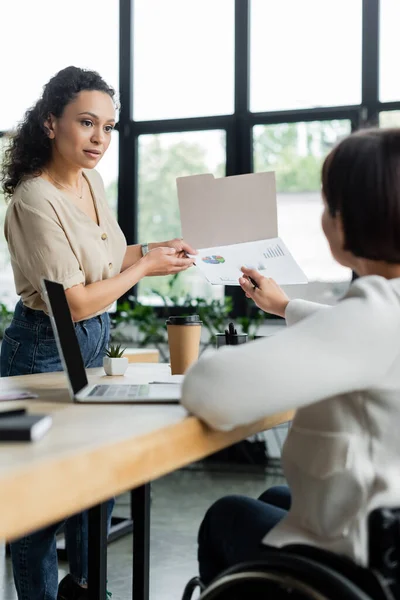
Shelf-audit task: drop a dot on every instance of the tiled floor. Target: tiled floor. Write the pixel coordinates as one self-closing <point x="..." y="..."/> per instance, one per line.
<point x="179" y="502"/>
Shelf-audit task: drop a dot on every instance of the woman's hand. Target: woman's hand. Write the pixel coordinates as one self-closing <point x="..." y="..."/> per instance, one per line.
<point x="165" y="261"/>
<point x="267" y="295"/>
<point x="182" y="248"/>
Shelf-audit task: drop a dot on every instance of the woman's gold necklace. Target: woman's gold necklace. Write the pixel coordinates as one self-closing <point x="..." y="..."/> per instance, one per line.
<point x="67" y="188"/>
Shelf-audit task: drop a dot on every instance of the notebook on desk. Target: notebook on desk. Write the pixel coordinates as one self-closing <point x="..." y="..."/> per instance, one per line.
<point x="71" y="357"/>
<point x="24" y="428"/>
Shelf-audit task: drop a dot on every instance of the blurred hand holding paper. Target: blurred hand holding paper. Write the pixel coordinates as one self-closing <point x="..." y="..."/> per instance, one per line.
<point x="232" y="221"/>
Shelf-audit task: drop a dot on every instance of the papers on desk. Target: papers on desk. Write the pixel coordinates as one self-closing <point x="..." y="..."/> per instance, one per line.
<point x="232" y="222"/>
<point x="17" y="395"/>
<point x="221" y="265"/>
<point x="169" y="379"/>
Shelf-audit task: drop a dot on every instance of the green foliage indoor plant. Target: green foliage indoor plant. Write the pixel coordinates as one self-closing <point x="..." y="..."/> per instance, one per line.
<point x="114" y="362"/>
<point x="5" y="318"/>
<point x="114" y="351"/>
<point x="149" y="321"/>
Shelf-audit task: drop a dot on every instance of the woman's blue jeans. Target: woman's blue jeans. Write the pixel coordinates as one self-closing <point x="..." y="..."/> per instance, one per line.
<point x="29" y="347"/>
<point x="234" y="527"/>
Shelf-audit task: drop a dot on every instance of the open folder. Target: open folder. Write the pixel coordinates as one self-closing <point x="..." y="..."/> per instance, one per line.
<point x="232" y="221"/>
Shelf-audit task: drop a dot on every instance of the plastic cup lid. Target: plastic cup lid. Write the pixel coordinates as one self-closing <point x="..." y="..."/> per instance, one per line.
<point x="187" y="320"/>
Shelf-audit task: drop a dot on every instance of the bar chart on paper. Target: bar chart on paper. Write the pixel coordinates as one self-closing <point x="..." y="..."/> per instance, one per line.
<point x="274" y="252"/>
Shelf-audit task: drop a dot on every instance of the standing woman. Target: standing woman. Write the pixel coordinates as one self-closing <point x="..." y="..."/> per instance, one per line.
<point x="59" y="226"/>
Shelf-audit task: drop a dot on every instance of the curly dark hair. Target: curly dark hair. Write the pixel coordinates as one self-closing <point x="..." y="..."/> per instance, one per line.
<point x="30" y="147"/>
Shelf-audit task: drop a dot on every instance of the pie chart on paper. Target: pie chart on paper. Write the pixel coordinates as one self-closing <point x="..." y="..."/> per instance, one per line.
<point x="214" y="259"/>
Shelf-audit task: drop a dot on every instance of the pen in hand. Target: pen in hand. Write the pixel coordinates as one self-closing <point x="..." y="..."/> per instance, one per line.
<point x="253" y="282"/>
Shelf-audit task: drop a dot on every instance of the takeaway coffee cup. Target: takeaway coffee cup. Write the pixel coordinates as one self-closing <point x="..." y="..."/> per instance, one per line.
<point x="184" y="342"/>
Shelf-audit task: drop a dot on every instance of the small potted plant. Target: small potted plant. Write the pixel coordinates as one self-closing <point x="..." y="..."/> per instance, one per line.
<point x="114" y="362"/>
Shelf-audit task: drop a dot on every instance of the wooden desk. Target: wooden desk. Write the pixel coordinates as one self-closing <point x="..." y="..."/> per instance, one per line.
<point x="94" y="452"/>
<point x="142" y="355"/>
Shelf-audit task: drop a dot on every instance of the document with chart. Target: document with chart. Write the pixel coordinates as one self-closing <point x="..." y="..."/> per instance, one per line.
<point x="233" y="222"/>
<point x="221" y="265"/>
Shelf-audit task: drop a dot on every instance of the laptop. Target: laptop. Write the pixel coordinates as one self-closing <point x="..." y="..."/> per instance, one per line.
<point x="71" y="357"/>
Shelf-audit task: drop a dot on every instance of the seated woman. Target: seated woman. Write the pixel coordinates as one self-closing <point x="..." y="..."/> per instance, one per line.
<point x="338" y="366"/>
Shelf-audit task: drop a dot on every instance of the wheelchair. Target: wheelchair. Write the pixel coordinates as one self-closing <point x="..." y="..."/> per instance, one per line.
<point x="301" y="572"/>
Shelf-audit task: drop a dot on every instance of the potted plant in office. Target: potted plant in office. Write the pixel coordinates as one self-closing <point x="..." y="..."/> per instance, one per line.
<point x="114" y="362"/>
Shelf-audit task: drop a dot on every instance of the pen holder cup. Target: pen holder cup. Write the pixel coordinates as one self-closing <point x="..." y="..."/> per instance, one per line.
<point x="231" y="339"/>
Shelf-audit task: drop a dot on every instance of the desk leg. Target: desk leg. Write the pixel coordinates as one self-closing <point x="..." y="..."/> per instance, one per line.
<point x="97" y="552"/>
<point x="140" y="502"/>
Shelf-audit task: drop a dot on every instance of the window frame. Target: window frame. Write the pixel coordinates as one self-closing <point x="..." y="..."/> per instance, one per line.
<point x="239" y="125"/>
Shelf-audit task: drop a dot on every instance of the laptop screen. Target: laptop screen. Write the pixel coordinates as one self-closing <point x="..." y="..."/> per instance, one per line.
<point x="64" y="332"/>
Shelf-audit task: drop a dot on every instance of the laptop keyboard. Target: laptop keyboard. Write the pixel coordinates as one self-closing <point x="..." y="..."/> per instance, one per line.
<point x="120" y="391"/>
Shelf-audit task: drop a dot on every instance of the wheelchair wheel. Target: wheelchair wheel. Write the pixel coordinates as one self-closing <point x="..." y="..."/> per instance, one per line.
<point x="282" y="576"/>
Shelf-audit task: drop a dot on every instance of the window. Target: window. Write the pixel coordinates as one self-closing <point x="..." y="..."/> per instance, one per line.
<point x="163" y="158"/>
<point x="34" y="47"/>
<point x="7" y="288"/>
<point x="390" y="118"/>
<point x="44" y="49"/>
<point x="305" y="54"/>
<point x="389" y="85"/>
<point x="183" y="58"/>
<point x="295" y="151"/>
